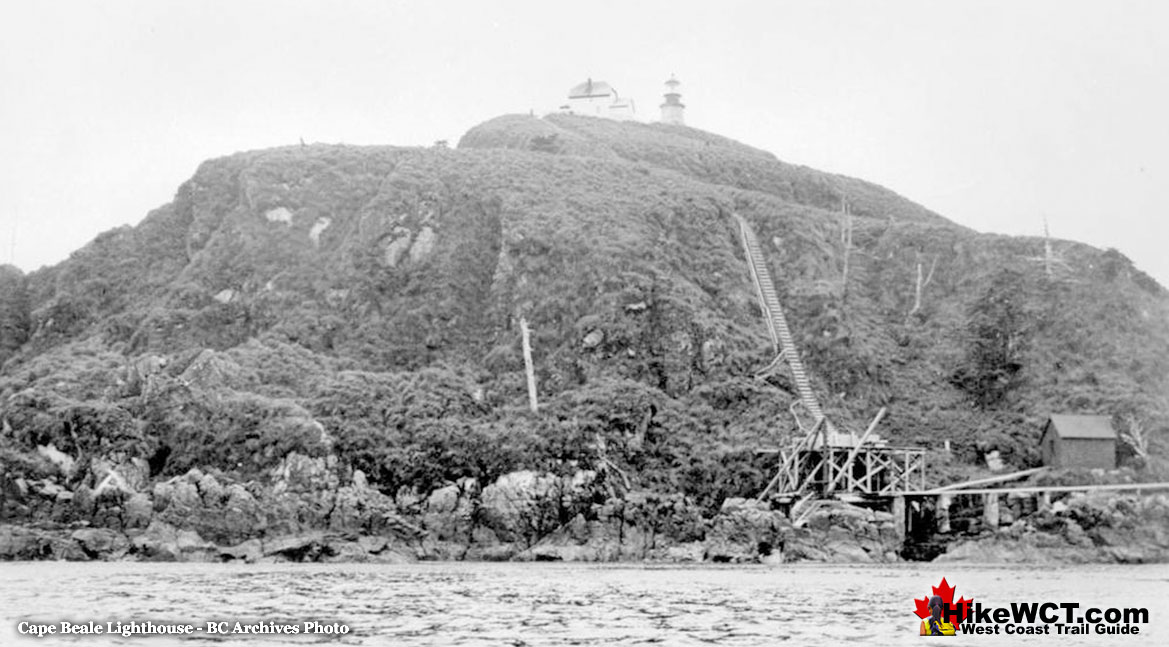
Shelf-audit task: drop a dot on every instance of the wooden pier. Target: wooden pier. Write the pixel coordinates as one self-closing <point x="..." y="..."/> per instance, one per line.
<point x="928" y="513"/>
<point x="824" y="463"/>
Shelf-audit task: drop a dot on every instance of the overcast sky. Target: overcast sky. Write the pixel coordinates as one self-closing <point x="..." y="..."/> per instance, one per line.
<point x="994" y="114"/>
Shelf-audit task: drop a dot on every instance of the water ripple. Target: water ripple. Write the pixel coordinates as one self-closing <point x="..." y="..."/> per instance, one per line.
<point x="533" y="605"/>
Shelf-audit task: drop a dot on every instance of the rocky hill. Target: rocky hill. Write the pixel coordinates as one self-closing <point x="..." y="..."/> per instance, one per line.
<point x="359" y="307"/>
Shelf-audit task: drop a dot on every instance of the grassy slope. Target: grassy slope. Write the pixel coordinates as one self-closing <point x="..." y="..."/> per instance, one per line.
<point x="396" y="331"/>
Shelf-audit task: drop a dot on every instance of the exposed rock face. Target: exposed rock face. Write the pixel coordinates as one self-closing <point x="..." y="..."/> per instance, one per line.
<point x="20" y="543"/>
<point x="836" y="532"/>
<point x="101" y="542"/>
<point x="451" y="517"/>
<point x="1087" y="529"/>
<point x="849" y="533"/>
<point x="423" y="244"/>
<point x="302" y="513"/>
<point x="224" y="514"/>
<point x="642" y="526"/>
<point x="279" y="214"/>
<point x="523" y="507"/>
<point x="745" y="531"/>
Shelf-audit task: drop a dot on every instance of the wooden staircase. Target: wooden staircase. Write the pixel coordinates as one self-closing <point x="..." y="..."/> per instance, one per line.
<point x="781" y="336"/>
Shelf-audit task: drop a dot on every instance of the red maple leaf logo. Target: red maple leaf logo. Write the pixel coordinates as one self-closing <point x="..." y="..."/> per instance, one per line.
<point x="947" y="593"/>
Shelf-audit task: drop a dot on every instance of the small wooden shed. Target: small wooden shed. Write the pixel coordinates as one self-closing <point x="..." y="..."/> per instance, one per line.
<point x="1079" y="441"/>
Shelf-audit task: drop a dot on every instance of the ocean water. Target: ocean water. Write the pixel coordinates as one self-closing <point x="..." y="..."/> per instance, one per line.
<point x="526" y="605"/>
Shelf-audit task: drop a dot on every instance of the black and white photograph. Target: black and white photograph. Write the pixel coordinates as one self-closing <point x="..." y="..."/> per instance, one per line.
<point x="529" y="323"/>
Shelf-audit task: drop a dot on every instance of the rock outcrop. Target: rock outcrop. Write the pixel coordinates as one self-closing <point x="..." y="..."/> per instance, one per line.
<point x="1126" y="529"/>
<point x="301" y="512"/>
<point x="305" y="511"/>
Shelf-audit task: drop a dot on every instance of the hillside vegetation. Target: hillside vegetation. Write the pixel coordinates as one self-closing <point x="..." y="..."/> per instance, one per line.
<point x="363" y="303"/>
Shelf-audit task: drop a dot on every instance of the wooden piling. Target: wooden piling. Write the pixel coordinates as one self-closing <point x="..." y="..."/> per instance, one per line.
<point x="942" y="512"/>
<point x="900" y="523"/>
<point x="990" y="510"/>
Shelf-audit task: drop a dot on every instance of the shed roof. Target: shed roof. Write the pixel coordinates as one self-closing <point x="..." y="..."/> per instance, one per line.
<point x="1068" y="426"/>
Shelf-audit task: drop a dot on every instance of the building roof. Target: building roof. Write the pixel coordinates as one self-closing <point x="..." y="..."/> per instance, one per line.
<point x="590" y="89"/>
<point x="1066" y="426"/>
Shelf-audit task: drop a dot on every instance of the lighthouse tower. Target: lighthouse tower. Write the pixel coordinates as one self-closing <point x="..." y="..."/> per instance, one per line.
<point x="672" y="108"/>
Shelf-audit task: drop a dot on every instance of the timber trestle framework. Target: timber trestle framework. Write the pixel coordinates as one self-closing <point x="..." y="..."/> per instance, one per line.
<point x="821" y="462"/>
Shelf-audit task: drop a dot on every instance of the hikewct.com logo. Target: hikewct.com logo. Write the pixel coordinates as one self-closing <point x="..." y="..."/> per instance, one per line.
<point x="941" y="616"/>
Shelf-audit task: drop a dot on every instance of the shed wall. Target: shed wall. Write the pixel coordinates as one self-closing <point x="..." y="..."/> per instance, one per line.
<point x="1087" y="452"/>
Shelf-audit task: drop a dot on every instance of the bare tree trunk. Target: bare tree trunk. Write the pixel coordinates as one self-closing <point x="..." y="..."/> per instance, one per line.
<point x="528" y="368"/>
<point x="921" y="285"/>
<point x="1051" y="259"/>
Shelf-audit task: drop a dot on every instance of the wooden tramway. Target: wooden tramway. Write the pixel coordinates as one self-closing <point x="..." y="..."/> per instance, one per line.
<point x="781" y="337"/>
<point x="822" y="462"/>
<point x="980" y="486"/>
<point x="1041" y="489"/>
<point x="931" y="509"/>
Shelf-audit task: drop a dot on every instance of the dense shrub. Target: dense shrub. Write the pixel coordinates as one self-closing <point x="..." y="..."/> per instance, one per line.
<point x="998" y="331"/>
<point x="14" y="311"/>
<point x="243" y="434"/>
